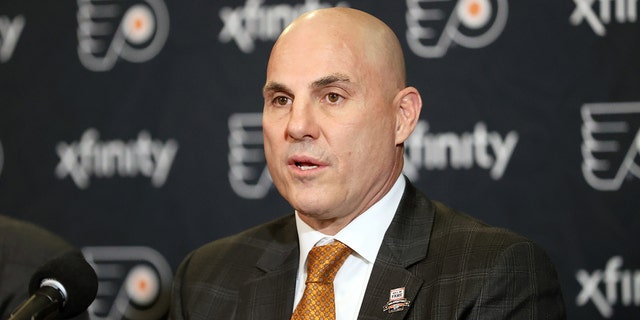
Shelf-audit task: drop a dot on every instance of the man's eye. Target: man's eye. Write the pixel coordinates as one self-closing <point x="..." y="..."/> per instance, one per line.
<point x="333" y="97"/>
<point x="281" y="101"/>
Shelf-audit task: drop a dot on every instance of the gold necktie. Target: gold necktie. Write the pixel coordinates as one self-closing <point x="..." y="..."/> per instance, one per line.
<point x="317" y="301"/>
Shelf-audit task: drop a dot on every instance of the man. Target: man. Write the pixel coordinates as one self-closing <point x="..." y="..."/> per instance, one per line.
<point x="336" y="114"/>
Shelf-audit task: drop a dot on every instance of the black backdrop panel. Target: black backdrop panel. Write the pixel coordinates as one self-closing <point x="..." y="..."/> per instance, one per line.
<point x="132" y="128"/>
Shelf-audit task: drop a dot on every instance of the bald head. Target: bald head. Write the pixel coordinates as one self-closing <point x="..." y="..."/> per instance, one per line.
<point x="334" y="96"/>
<point x="353" y="32"/>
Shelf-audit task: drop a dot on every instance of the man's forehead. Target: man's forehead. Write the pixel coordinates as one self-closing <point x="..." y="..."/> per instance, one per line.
<point x="316" y="64"/>
<point x="321" y="35"/>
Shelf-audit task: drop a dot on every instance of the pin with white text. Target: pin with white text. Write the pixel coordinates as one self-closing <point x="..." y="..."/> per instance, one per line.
<point x="397" y="301"/>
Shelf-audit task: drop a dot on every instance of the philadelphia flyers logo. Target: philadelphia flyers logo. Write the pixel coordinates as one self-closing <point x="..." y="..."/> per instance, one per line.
<point x="112" y="30"/>
<point x="433" y="26"/>
<point x="133" y="283"/>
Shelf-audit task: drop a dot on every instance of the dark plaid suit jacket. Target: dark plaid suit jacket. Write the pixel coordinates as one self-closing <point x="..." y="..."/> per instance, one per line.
<point x="451" y="265"/>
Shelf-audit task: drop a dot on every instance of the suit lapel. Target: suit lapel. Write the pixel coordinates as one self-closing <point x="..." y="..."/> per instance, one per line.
<point x="270" y="296"/>
<point x="405" y="243"/>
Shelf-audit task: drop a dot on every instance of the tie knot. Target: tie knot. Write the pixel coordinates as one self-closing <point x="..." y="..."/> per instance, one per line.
<point x="323" y="262"/>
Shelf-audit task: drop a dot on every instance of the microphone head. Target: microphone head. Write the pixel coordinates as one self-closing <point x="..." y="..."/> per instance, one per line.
<point x="76" y="275"/>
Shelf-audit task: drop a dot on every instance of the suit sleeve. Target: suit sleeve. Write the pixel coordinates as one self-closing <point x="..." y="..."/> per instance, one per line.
<point x="522" y="284"/>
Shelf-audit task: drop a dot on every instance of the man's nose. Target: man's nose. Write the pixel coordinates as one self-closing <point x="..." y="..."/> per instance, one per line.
<point x="302" y="121"/>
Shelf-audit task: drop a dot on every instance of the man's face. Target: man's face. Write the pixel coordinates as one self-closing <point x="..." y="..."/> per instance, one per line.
<point x="329" y="126"/>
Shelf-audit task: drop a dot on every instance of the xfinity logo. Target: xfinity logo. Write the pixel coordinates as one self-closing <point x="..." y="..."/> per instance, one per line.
<point x="611" y="144"/>
<point x="622" y="11"/>
<point x="113" y="29"/>
<point x="249" y="176"/>
<point x="80" y="160"/>
<point x="255" y="21"/>
<point x="458" y="151"/>
<point x="434" y="25"/>
<point x="619" y="286"/>
<point x="10" y="30"/>
<point x="133" y="283"/>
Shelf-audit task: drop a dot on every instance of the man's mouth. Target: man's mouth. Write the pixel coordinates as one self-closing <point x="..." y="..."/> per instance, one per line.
<point x="305" y="165"/>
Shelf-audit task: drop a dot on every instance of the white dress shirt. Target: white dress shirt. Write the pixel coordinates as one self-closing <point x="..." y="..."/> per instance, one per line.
<point x="364" y="236"/>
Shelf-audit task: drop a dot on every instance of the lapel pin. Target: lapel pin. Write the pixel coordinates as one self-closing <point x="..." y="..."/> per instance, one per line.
<point x="397" y="301"/>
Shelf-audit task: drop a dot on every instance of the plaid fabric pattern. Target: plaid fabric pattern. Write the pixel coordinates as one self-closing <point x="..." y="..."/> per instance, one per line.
<point x="450" y="265"/>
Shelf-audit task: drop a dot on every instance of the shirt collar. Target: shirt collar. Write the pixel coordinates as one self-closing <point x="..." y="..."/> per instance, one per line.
<point x="364" y="234"/>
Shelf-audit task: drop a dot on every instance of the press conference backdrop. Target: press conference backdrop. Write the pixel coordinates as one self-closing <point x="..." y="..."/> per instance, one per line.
<point x="133" y="129"/>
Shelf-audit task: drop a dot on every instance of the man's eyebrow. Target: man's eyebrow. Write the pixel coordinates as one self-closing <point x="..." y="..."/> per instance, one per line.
<point x="275" y="87"/>
<point x="332" y="78"/>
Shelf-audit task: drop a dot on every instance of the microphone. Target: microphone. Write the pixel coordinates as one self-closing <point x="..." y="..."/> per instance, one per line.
<point x="62" y="288"/>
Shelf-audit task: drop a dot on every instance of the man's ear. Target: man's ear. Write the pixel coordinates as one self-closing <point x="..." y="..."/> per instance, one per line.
<point x="409" y="105"/>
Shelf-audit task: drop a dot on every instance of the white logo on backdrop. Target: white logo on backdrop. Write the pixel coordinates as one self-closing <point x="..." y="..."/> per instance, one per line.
<point x="611" y="143"/>
<point x="109" y="30"/>
<point x="249" y="176"/>
<point x="620" y="286"/>
<point x="255" y="21"/>
<point x="248" y="173"/>
<point x="88" y="157"/>
<point x="133" y="283"/>
<point x="10" y="31"/>
<point x="620" y="11"/>
<point x="458" y="151"/>
<point x="434" y="25"/>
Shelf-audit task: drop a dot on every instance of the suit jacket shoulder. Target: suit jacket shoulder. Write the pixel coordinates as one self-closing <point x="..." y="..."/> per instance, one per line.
<point x="453" y="266"/>
<point x="243" y="276"/>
